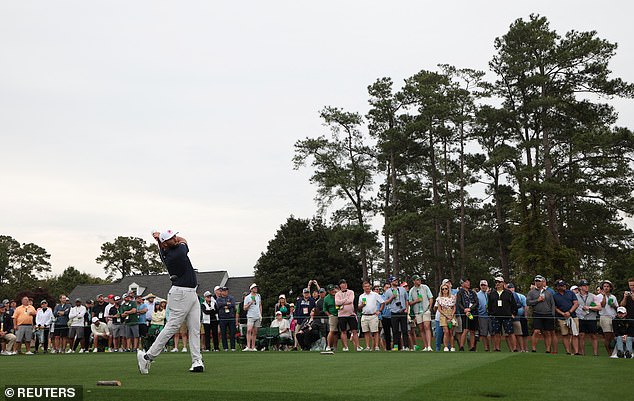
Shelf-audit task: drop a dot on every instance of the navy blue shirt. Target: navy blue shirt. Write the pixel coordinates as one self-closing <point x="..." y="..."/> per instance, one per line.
<point x="564" y="302"/>
<point x="178" y="264"/>
<point x="303" y="308"/>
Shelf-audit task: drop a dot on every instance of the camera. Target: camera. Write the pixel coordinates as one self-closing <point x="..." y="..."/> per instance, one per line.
<point x="398" y="304"/>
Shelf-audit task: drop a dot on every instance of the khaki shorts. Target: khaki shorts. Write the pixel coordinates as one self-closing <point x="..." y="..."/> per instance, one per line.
<point x="565" y="330"/>
<point x="517" y="328"/>
<point x="370" y="324"/>
<point x="423" y="317"/>
<point x="254" y="322"/>
<point x="182" y="330"/>
<point x="606" y="324"/>
<point x="333" y="324"/>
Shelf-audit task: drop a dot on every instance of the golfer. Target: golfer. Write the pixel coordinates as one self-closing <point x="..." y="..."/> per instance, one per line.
<point x="182" y="301"/>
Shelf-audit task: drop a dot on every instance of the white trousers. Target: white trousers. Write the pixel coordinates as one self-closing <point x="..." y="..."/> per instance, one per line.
<point x="183" y="306"/>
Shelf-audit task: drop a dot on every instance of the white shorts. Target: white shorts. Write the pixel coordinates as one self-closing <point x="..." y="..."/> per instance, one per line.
<point x="370" y="323"/>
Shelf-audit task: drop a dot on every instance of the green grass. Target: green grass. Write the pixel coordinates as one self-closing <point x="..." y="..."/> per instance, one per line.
<point x="343" y="376"/>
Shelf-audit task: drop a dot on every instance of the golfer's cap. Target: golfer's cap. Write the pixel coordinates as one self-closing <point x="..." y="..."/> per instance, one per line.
<point x="117" y="298"/>
<point x="330" y="287"/>
<point x="499" y="279"/>
<point x="445" y="281"/>
<point x="415" y="277"/>
<point x="583" y="282"/>
<point x="165" y="235"/>
<point x="95" y="319"/>
<point x="216" y="288"/>
<point x="207" y="294"/>
<point x="561" y="283"/>
<point x="322" y="289"/>
<point x="44" y="301"/>
<point x="252" y="286"/>
<point x="539" y="277"/>
<point x="621" y="309"/>
<point x="343" y="281"/>
<point x="281" y="296"/>
<point x="574" y="287"/>
<point x="150" y="296"/>
<point x="484" y="282"/>
<point x="510" y="285"/>
<point x="306" y="291"/>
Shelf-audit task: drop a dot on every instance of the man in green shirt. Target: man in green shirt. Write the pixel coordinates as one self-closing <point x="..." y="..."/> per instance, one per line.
<point x="333" y="321"/>
<point x="131" y="320"/>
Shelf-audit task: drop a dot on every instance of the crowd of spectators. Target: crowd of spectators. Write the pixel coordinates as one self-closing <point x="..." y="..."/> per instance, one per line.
<point x="389" y="316"/>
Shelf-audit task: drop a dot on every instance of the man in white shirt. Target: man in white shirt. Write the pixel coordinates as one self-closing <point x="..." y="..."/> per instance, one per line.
<point x="76" y="332"/>
<point x="371" y="305"/>
<point x="100" y="334"/>
<point x="43" y="320"/>
<point x="253" y="305"/>
<point x="608" y="303"/>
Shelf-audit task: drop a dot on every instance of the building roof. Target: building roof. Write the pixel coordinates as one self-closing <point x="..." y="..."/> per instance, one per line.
<point x="238" y="285"/>
<point x="157" y="284"/>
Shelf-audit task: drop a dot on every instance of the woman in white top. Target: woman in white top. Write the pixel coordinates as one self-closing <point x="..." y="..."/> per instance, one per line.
<point x="446" y="305"/>
<point x="43" y="320"/>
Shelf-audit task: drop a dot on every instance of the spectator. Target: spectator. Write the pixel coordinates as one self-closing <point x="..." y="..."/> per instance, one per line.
<point x="565" y="306"/>
<point x="60" y="324"/>
<point x="446" y="305"/>
<point x="99" y="309"/>
<point x="116" y="328"/>
<point x="587" y="314"/>
<point x="344" y="299"/>
<point x="157" y="323"/>
<point x="542" y="304"/>
<point x="421" y="300"/>
<point x="628" y="299"/>
<point x="574" y="289"/>
<point x="210" y="321"/>
<point x="283" y="326"/>
<point x="624" y="332"/>
<point x="43" y="320"/>
<point x="309" y="331"/>
<point x="502" y="309"/>
<point x="100" y="335"/>
<point x="87" y="322"/>
<point x="370" y="304"/>
<point x="484" y="321"/>
<point x="608" y="303"/>
<point x="411" y="320"/>
<point x="332" y="312"/>
<point x="467" y="311"/>
<point x="398" y="304"/>
<point x="253" y="305"/>
<point x="76" y="332"/>
<point x="282" y="306"/>
<point x="7" y="338"/>
<point x="227" y="314"/>
<point x="23" y="323"/>
<point x="131" y="322"/>
<point x="305" y="304"/>
<point x="141" y="312"/>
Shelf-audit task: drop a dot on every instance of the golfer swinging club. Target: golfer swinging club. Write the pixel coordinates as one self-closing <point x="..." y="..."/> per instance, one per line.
<point x="181" y="299"/>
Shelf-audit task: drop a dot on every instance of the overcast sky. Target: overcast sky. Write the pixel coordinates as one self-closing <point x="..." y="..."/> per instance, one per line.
<point x="120" y="116"/>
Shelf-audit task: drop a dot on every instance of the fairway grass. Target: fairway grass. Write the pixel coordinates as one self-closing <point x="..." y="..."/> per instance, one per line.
<point x="344" y="376"/>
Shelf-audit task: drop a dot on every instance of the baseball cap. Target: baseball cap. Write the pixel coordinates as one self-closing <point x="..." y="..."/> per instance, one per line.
<point x="560" y="282"/>
<point x="391" y="278"/>
<point x="583" y="281"/>
<point x="305" y="290"/>
<point x="499" y="278"/>
<point x="278" y="313"/>
<point x="404" y="284"/>
<point x="330" y="287"/>
<point x="77" y="299"/>
<point x="621" y="309"/>
<point x="99" y="295"/>
<point x="342" y="281"/>
<point x="95" y="319"/>
<point x="252" y="286"/>
<point x="464" y="279"/>
<point x="150" y="295"/>
<point x="484" y="282"/>
<point x="415" y="277"/>
<point x="225" y="288"/>
<point x="165" y="235"/>
<point x="117" y="298"/>
<point x="216" y="288"/>
<point x="207" y="294"/>
<point x="322" y="289"/>
<point x="510" y="285"/>
<point x="110" y="295"/>
<point x="539" y="277"/>
<point x="281" y="296"/>
<point x="445" y="281"/>
<point x="607" y="282"/>
<point x="44" y="301"/>
<point x="5" y="301"/>
<point x="574" y="287"/>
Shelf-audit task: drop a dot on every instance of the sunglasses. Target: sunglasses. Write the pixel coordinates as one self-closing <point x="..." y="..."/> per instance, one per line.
<point x="445" y="289"/>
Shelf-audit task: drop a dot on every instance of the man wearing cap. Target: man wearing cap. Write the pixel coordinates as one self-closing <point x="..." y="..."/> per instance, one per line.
<point x="543" y="306"/>
<point x="344" y="299"/>
<point x="520" y="323"/>
<point x="608" y="303"/>
<point x="332" y="312"/>
<point x="587" y="314"/>
<point x="628" y="299"/>
<point x="227" y="318"/>
<point x="99" y="309"/>
<point x="398" y="304"/>
<point x="502" y="309"/>
<point x="7" y="339"/>
<point x="253" y="305"/>
<point x="130" y="322"/>
<point x="210" y="321"/>
<point x="371" y="305"/>
<point x="624" y="331"/>
<point x="484" y="321"/>
<point x="43" y="320"/>
<point x="76" y="332"/>
<point x="115" y="324"/>
<point x="100" y="335"/>
<point x="141" y="312"/>
<point x="181" y="298"/>
<point x="565" y="306"/>
<point x="150" y="303"/>
<point x="60" y="325"/>
<point x="305" y="304"/>
<point x="467" y="310"/>
<point x="421" y="299"/>
<point x="283" y="327"/>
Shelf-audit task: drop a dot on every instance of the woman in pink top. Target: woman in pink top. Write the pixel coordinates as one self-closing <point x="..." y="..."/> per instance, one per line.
<point x="446" y="305"/>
